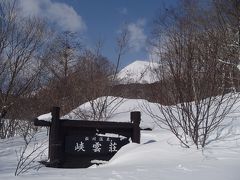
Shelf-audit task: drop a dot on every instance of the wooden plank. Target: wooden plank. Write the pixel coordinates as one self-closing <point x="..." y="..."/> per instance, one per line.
<point x="135" y="117"/>
<point x="56" y="139"/>
<point x="96" y="124"/>
<point x="41" y="123"/>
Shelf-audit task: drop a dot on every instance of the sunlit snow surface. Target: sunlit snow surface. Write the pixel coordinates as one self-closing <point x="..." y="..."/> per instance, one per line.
<point x="158" y="157"/>
<point x="138" y="72"/>
<point x="45" y="117"/>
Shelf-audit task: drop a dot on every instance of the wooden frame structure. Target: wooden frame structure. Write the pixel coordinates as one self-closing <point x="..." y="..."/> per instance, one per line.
<point x="64" y="131"/>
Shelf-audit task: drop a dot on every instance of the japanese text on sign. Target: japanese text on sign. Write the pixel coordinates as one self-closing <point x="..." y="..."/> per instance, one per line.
<point x="96" y="144"/>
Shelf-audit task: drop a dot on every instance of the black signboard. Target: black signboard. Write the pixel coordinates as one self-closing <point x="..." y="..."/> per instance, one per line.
<point x="94" y="144"/>
<point x="74" y="144"/>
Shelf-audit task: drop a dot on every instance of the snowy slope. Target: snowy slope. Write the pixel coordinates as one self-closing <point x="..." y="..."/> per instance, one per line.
<point x="118" y="110"/>
<point x="158" y="157"/>
<point x="138" y="72"/>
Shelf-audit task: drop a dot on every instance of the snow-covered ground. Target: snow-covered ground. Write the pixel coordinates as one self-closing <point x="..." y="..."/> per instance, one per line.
<point x="138" y="72"/>
<point x="158" y="157"/>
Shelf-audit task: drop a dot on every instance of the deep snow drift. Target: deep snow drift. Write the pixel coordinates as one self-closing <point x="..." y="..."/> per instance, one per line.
<point x="158" y="157"/>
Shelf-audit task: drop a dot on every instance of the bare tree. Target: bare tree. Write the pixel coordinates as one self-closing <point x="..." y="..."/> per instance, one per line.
<point x="99" y="77"/>
<point x="199" y="73"/>
<point x="60" y="58"/>
<point x="29" y="155"/>
<point x="61" y="54"/>
<point x="93" y="82"/>
<point x="228" y="16"/>
<point x="20" y="39"/>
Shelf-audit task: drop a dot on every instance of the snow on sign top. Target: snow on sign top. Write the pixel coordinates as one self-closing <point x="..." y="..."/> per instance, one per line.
<point x="45" y="117"/>
<point x="138" y="72"/>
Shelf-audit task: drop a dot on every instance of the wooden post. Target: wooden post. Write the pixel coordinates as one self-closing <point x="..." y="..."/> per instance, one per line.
<point x="55" y="139"/>
<point x="135" y="117"/>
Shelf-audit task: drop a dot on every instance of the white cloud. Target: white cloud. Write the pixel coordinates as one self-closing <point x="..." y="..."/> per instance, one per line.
<point x="123" y="11"/>
<point x="60" y="14"/>
<point x="137" y="37"/>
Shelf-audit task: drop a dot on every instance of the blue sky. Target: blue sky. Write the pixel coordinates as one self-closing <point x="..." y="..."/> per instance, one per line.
<point x="96" y="20"/>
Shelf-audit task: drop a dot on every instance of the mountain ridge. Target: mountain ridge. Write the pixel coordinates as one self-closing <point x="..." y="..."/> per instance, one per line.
<point x="138" y="72"/>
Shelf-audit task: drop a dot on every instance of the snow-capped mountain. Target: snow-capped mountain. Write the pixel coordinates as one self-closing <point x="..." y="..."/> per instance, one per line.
<point x="138" y="72"/>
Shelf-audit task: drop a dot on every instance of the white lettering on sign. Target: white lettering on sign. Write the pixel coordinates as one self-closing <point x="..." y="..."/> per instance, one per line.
<point x="112" y="147"/>
<point x="96" y="147"/>
<point x="79" y="147"/>
<point x="94" y="144"/>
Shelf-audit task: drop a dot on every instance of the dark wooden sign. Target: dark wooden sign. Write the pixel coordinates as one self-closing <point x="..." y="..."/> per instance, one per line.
<point x="87" y="145"/>
<point x="77" y="143"/>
